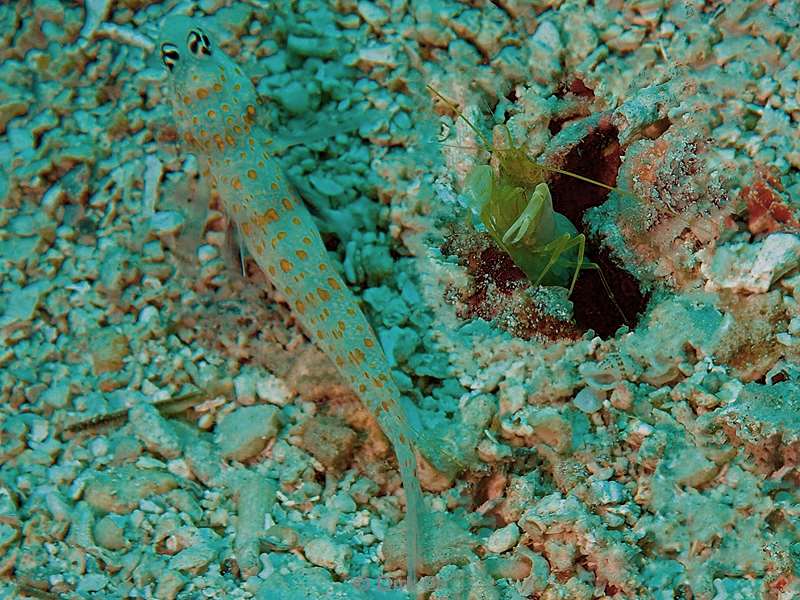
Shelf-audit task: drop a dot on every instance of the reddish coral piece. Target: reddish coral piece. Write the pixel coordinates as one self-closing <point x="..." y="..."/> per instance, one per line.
<point x="647" y="171"/>
<point x="579" y="88"/>
<point x="498" y="289"/>
<point x="576" y="87"/>
<point x="766" y="211"/>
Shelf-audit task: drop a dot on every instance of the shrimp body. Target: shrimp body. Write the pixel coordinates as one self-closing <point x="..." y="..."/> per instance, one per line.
<point x="215" y="107"/>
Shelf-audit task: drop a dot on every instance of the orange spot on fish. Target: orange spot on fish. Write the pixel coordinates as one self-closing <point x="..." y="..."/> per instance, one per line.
<point x="202" y="93"/>
<point x="217" y="87"/>
<point x="322" y="266"/>
<point x="301" y="254"/>
<point x="300" y="306"/>
<point x="334" y="285"/>
<point x="274" y="185"/>
<point x="286" y="266"/>
<point x="212" y="114"/>
<point x="296" y="220"/>
<point x="236" y="183"/>
<point x="268" y="216"/>
<point x="307" y="241"/>
<point x="287" y="204"/>
<point x="251" y="174"/>
<point x="368" y="343"/>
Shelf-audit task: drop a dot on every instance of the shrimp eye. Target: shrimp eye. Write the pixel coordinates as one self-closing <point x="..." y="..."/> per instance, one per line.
<point x="169" y="55"/>
<point x="199" y="43"/>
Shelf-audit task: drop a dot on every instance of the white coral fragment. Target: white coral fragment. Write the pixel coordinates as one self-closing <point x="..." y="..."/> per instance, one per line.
<point x="753" y="268"/>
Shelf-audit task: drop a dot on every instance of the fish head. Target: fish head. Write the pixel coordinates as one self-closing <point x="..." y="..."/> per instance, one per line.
<point x="211" y="96"/>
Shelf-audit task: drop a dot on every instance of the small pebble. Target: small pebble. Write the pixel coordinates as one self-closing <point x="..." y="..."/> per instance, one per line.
<point x="587" y="401"/>
<point x="93" y="582"/>
<point x="503" y="539"/>
<point x="168" y="222"/>
<point x="193" y="559"/>
<point x="343" y="502"/>
<point x="326" y="553"/>
<point x="207" y="252"/>
<point x="109" y="532"/>
<point x="245" y="432"/>
<point x="372" y="14"/>
<point x="155" y="431"/>
<point x="326" y="185"/>
<point x="608" y="492"/>
<point x="170" y="583"/>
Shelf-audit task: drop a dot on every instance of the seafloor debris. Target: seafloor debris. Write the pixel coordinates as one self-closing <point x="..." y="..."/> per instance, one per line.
<point x="655" y="459"/>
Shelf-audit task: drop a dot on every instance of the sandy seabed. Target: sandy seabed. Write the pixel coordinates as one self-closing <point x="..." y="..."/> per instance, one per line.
<point x="167" y="429"/>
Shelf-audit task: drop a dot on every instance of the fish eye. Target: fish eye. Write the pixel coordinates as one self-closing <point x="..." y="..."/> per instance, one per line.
<point x="198" y="42"/>
<point x="169" y="55"/>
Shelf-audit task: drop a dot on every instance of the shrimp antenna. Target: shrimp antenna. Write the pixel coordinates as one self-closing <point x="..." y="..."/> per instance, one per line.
<point x="460" y="113"/>
<point x="488" y="145"/>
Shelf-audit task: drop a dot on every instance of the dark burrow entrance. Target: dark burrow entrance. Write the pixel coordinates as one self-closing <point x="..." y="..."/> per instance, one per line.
<point x="597" y="156"/>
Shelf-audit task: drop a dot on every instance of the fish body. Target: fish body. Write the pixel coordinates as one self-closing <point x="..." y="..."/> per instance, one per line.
<point x="216" y="111"/>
